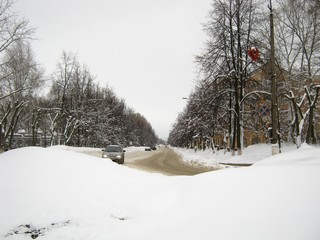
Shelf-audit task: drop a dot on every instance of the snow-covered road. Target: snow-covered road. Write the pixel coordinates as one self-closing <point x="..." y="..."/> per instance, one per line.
<point x="164" y="160"/>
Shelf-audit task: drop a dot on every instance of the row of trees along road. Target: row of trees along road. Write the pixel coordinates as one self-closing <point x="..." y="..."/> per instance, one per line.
<point x="76" y="111"/>
<point x="227" y="96"/>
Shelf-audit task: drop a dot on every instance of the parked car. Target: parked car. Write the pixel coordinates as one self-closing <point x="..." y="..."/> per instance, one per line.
<point x="115" y="153"/>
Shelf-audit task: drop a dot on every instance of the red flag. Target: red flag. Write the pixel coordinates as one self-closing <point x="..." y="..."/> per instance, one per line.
<point x="253" y="53"/>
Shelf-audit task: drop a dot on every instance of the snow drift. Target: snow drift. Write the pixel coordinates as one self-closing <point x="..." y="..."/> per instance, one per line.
<point x="57" y="194"/>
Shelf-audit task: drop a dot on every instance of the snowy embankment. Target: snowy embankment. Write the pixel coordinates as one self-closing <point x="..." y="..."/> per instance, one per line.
<point x="251" y="155"/>
<point x="98" y="150"/>
<point x="56" y="194"/>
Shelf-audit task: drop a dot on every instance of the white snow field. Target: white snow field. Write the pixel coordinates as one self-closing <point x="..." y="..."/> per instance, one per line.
<point x="57" y="194"/>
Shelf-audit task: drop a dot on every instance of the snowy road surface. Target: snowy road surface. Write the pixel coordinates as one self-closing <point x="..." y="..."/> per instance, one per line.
<point x="163" y="160"/>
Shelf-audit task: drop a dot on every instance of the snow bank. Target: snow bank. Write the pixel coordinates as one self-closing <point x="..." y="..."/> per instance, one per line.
<point x="58" y="194"/>
<point x="304" y="155"/>
<point x="251" y="155"/>
<point x="89" y="149"/>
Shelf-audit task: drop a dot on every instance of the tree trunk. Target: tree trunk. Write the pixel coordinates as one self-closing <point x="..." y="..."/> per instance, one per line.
<point x="311" y="138"/>
<point x="14" y="120"/>
<point x="1" y="143"/>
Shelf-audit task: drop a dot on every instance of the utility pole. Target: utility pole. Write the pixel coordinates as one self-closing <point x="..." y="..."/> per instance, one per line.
<point x="274" y="102"/>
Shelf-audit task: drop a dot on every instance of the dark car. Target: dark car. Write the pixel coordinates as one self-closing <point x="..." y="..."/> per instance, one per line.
<point x="115" y="153"/>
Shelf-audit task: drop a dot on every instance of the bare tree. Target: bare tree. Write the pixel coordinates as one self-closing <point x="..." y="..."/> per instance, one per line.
<point x="231" y="32"/>
<point x="21" y="80"/>
<point x="299" y="35"/>
<point x="22" y="76"/>
<point x="63" y="77"/>
<point x="9" y="122"/>
<point x="12" y="30"/>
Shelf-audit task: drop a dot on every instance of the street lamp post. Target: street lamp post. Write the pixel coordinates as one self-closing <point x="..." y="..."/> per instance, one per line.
<point x="274" y="105"/>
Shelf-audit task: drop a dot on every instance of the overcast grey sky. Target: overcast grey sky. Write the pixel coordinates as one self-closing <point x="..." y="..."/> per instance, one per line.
<point x="143" y="49"/>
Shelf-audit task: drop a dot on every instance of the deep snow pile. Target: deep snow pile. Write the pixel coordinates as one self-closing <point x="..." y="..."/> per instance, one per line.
<point x="57" y="194"/>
